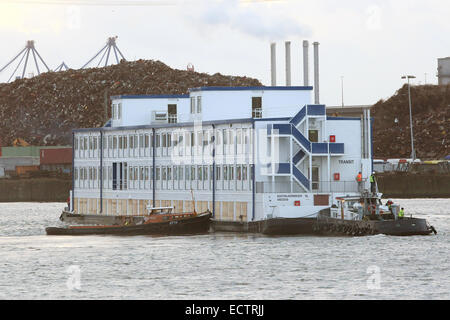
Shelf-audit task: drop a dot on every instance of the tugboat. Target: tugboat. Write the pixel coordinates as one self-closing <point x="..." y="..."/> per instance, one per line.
<point x="366" y="215"/>
<point x="160" y="221"/>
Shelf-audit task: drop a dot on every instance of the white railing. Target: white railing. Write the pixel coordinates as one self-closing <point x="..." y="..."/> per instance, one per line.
<point x="257" y="113"/>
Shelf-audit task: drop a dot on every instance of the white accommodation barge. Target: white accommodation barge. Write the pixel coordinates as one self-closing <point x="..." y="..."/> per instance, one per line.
<point x="261" y="159"/>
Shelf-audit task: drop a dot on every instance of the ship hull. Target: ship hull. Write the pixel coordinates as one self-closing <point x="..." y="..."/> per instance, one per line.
<point x="194" y="225"/>
<point x="288" y="226"/>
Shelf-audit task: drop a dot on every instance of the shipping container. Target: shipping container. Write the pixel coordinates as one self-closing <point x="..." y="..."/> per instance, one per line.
<point x="24" y="169"/>
<point x="56" y="156"/>
<point x="30" y="151"/>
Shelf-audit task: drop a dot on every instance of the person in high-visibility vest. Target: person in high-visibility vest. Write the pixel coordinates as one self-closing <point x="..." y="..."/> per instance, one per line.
<point x="372" y="183"/>
<point x="359" y="180"/>
<point x="401" y="213"/>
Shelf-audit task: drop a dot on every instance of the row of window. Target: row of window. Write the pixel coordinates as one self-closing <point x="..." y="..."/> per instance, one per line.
<point x="120" y="174"/>
<point x="165" y="140"/>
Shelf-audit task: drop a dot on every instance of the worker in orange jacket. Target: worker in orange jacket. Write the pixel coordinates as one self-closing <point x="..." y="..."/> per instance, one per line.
<point x="359" y="180"/>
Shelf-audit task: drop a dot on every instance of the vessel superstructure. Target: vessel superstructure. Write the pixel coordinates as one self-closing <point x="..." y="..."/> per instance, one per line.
<point x="249" y="154"/>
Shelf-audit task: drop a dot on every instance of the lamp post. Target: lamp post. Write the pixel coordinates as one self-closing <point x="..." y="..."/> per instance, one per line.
<point x="413" y="152"/>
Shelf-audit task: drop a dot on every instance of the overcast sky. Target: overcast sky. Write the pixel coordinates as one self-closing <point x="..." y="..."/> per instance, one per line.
<point x="371" y="44"/>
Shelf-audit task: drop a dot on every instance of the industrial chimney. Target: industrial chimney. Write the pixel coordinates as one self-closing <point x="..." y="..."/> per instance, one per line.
<point x="288" y="63"/>
<point x="273" y="64"/>
<point x="316" y="72"/>
<point x="305" y="63"/>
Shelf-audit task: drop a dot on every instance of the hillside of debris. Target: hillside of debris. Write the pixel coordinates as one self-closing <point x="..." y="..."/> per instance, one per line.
<point x="431" y="123"/>
<point x="43" y="110"/>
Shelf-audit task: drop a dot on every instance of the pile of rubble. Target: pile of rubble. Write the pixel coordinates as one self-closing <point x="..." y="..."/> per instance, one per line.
<point x="43" y="110"/>
<point x="431" y="123"/>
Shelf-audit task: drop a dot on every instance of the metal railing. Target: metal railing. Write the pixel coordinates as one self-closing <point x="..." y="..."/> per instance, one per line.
<point x="173" y="118"/>
<point x="317" y="187"/>
<point x="257" y="113"/>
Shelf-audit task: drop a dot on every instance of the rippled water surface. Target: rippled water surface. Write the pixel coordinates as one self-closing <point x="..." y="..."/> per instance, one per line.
<point x="221" y="265"/>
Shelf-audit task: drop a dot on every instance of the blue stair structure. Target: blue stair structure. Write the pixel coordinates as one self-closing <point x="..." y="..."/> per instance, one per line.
<point x="307" y="148"/>
<point x="299" y="157"/>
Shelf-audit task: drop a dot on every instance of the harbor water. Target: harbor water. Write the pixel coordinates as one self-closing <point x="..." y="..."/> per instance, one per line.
<point x="220" y="265"/>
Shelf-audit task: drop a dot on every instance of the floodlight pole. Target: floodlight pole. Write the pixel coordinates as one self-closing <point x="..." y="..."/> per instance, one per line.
<point x="413" y="152"/>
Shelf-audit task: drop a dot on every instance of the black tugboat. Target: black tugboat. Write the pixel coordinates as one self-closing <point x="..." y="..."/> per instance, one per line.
<point x="366" y="215"/>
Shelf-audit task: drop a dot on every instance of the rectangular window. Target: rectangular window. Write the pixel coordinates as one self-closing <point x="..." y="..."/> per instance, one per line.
<point x="146" y="174"/>
<point x="164" y="140"/>
<point x="169" y="140"/>
<point x="158" y="141"/>
<point x="313" y="135"/>
<point x="131" y="142"/>
<point x="238" y="173"/>
<point x="75" y="144"/>
<point x="225" y="173"/>
<point x="180" y="172"/>
<point x="225" y="137"/>
<point x="188" y="139"/>
<point x="199" y="173"/>
<point x="141" y="141"/>
<point x="199" y="104"/>
<point x="164" y="173"/>
<point x="192" y="105"/>
<point x="125" y="175"/>
<point x="199" y="138"/>
<point x="218" y="173"/>
<point x="239" y="136"/>
<point x="205" y="173"/>
<point x="205" y="138"/>
<point x="119" y="111"/>
<point x="192" y="172"/>
<point x="244" y="173"/>
<point x="115" y="142"/>
<point x="187" y="171"/>
<point x="257" y="107"/>
<point x="146" y="141"/>
<point x="231" y="173"/>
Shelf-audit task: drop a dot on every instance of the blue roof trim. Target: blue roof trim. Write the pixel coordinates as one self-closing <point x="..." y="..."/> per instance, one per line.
<point x="272" y="119"/>
<point x="165" y="125"/>
<point x="262" y="88"/>
<point x="152" y="96"/>
<point x="342" y="118"/>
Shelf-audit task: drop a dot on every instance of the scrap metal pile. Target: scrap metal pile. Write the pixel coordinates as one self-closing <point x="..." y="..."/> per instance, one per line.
<point x="431" y="123"/>
<point x="43" y="110"/>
